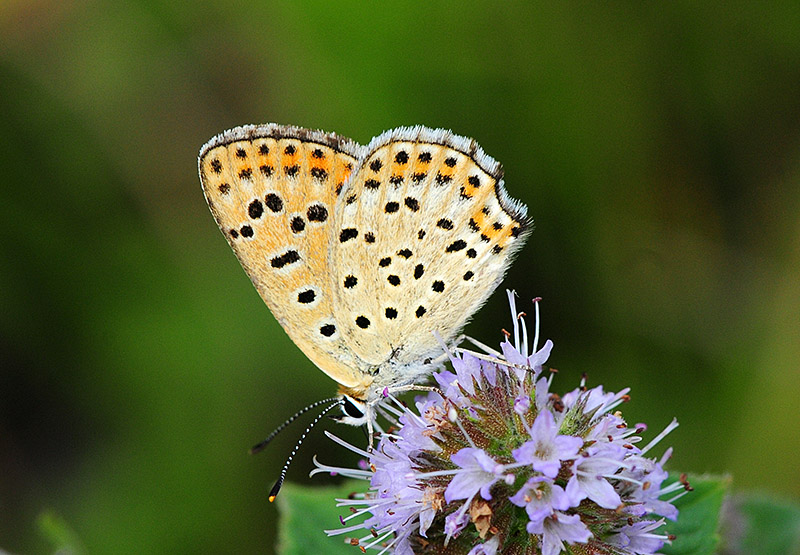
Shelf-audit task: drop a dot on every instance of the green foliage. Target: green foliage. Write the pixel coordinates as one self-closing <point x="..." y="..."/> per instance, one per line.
<point x="306" y="512"/>
<point x="763" y="524"/>
<point x="697" y="528"/>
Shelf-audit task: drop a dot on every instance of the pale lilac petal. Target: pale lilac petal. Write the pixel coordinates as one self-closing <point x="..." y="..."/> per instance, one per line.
<point x="638" y="537"/>
<point x="522" y="404"/>
<point x="567" y="446"/>
<point x="558" y="529"/>
<point x="425" y="519"/>
<point x="542" y="395"/>
<point x="512" y="355"/>
<point x="454" y="523"/>
<point x="477" y="474"/>
<point x="600" y="491"/>
<point x="540" y="357"/>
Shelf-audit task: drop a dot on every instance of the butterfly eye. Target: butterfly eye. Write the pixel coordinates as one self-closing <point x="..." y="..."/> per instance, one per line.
<point x="350" y="408"/>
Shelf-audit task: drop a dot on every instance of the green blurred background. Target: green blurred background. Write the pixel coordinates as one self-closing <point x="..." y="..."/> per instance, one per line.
<point x="657" y="147"/>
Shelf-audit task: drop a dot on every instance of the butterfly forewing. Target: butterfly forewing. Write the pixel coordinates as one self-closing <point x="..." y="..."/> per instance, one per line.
<point x="424" y="232"/>
<point x="273" y="190"/>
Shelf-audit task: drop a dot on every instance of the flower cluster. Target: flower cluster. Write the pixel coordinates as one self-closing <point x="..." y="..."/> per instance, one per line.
<point x="494" y="462"/>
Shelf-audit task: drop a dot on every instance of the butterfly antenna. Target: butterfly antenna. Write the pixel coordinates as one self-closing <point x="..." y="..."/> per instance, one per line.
<point x="277" y="487"/>
<point x="261" y="445"/>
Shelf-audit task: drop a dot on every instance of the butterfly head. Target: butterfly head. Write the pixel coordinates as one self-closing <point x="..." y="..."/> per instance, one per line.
<point x="355" y="410"/>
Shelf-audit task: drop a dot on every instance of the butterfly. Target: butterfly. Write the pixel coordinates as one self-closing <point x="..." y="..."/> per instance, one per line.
<point x="365" y="253"/>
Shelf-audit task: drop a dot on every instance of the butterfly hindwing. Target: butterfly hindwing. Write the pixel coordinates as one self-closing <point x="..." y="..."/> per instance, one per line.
<point x="273" y="190"/>
<point x="423" y="233"/>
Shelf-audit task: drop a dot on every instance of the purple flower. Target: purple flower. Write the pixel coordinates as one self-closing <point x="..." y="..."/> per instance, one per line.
<point x="479" y="472"/>
<point x="638" y="537"/>
<point x="493" y="445"/>
<point x="522" y="404"/>
<point x="592" y="475"/>
<point x="541" y="498"/>
<point x="545" y="451"/>
<point x="560" y="528"/>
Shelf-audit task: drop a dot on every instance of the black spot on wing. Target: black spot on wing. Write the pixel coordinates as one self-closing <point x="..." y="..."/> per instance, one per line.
<point x="319" y="174"/>
<point x="456" y="246"/>
<point x="347" y="234"/>
<point x="289" y="257"/>
<point x="274" y="202"/>
<point x="317" y="213"/>
<point x="442" y="179"/>
<point x="298" y="224"/>
<point x="412" y="204"/>
<point x="306" y="297"/>
<point x="362" y="322"/>
<point x="256" y="209"/>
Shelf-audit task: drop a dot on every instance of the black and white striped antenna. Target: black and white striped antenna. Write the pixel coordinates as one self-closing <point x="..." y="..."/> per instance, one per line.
<point x="261" y="445"/>
<point x="334" y="402"/>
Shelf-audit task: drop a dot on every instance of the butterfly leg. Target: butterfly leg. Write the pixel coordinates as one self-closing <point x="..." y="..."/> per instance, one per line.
<point x="482" y="346"/>
<point x="495" y="359"/>
<point x="415" y="387"/>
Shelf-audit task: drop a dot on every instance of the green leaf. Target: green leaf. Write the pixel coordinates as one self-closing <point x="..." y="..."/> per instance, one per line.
<point x="306" y="512"/>
<point x="763" y="524"/>
<point x="697" y="528"/>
